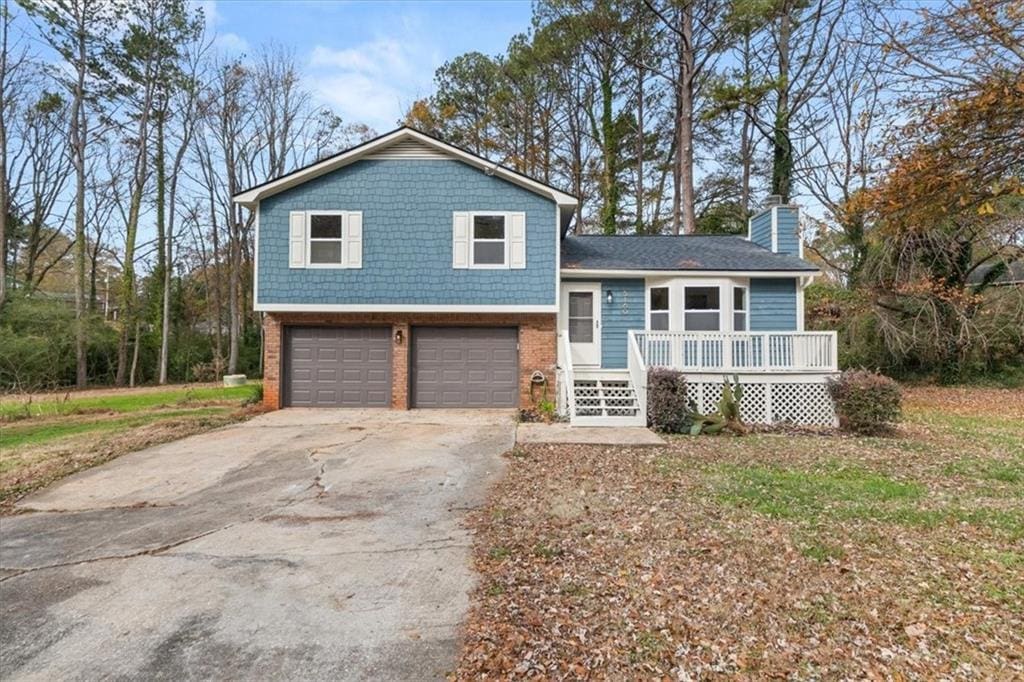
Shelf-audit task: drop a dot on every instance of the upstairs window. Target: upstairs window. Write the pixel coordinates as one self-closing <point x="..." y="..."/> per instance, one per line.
<point x="701" y="309"/>
<point x="325" y="238"/>
<point x="659" y="309"/>
<point x="489" y="246"/>
<point x="739" y="309"/>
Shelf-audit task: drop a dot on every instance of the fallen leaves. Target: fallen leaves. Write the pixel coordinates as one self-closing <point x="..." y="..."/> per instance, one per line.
<point x="602" y="562"/>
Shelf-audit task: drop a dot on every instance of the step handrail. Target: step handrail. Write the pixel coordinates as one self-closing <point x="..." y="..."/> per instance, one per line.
<point x="637" y="373"/>
<point x="568" y="376"/>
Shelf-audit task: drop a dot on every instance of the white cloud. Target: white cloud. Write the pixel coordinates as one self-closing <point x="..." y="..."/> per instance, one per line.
<point x="374" y="81"/>
<point x="231" y="42"/>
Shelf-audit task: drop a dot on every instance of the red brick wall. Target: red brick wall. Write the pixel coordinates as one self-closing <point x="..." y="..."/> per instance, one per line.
<point x="537" y="345"/>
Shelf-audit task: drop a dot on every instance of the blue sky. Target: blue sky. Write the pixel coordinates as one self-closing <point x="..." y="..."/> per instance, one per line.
<point x="368" y="60"/>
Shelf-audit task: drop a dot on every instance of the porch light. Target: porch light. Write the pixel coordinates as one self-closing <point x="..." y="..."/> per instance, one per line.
<point x="610" y="298"/>
<point x="398" y="337"/>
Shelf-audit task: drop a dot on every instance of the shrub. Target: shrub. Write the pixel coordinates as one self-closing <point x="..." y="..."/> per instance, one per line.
<point x="668" y="410"/>
<point x="866" y="402"/>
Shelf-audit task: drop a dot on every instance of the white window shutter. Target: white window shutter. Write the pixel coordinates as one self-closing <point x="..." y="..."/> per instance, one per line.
<point x="460" y="239"/>
<point x="297" y="239"/>
<point x="517" y="241"/>
<point x="354" y="239"/>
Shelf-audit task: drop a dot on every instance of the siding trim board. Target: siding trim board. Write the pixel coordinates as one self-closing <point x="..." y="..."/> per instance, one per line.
<point x="400" y="308"/>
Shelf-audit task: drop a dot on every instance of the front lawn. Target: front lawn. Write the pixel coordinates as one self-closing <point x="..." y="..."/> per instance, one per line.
<point x="43" y="440"/>
<point x="800" y="556"/>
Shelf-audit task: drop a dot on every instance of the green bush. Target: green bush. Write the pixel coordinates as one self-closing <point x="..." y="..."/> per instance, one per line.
<point x="668" y="409"/>
<point x="866" y="402"/>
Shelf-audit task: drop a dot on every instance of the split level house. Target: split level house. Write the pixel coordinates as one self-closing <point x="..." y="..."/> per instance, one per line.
<point x="409" y="273"/>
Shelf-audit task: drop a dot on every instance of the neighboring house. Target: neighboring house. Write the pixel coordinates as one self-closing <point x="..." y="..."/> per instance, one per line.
<point x="408" y="273"/>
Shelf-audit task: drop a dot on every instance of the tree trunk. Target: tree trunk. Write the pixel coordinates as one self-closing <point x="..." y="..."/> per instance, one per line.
<point x="639" y="224"/>
<point x="684" y="151"/>
<point x="163" y="240"/>
<point x="782" y="146"/>
<point x="135" y="355"/>
<point x="78" y="132"/>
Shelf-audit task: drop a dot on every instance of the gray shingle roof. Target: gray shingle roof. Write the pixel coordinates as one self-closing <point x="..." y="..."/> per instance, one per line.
<point x="670" y="252"/>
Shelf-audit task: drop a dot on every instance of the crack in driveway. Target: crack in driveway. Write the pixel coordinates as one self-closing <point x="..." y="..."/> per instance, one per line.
<point x="291" y="553"/>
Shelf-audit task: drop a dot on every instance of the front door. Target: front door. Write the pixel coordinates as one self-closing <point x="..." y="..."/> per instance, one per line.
<point x="581" y="320"/>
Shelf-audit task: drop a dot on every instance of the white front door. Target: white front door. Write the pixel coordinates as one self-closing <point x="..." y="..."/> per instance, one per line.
<point x="581" y="320"/>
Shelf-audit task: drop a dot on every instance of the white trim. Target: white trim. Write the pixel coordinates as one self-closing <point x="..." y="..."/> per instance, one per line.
<point x="400" y="308"/>
<point x="647" y="304"/>
<point x="746" y="307"/>
<point x="256" y="258"/>
<point x="254" y="195"/>
<point x="801" y="284"/>
<point x="583" y="354"/>
<point x="340" y="240"/>
<point x="506" y="240"/>
<point x="775" y="229"/>
<point x="570" y="273"/>
<point x="558" y="255"/>
<point x="720" y="309"/>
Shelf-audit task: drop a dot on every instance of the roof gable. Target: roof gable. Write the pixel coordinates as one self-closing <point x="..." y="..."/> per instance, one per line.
<point x="404" y="143"/>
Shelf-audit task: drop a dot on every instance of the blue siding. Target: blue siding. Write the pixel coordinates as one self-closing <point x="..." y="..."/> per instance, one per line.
<point x="772" y="305"/>
<point x="407" y="210"/>
<point x="788" y="224"/>
<point x="761" y="229"/>
<point x="625" y="312"/>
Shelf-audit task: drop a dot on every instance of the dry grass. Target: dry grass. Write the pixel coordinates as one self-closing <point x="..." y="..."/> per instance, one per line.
<point x="794" y="555"/>
<point x="47" y="440"/>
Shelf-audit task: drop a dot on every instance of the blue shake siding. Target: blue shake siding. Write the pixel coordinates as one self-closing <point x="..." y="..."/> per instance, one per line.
<point x="407" y="210"/>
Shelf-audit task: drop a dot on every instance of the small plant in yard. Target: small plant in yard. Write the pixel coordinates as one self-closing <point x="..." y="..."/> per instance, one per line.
<point x="668" y="409"/>
<point x="727" y="418"/>
<point x="866" y="402"/>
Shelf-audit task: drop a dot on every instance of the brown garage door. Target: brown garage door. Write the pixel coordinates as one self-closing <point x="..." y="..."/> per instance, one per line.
<point x="337" y="367"/>
<point x="465" y="367"/>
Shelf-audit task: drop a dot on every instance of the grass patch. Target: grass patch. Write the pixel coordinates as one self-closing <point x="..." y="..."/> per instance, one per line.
<point x="846" y="493"/>
<point x="796" y="494"/>
<point x="129" y="401"/>
<point x="822" y="551"/>
<point x="32" y="434"/>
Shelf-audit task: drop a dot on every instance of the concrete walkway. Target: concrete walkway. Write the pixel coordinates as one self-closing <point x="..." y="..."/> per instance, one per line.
<point x="304" y="544"/>
<point x="592" y="435"/>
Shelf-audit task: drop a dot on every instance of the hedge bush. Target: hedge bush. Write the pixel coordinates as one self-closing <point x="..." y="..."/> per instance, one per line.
<point x="866" y="402"/>
<point x="667" y="407"/>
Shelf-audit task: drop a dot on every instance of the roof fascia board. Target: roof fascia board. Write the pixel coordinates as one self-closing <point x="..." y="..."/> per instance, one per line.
<point x="573" y="273"/>
<point x="251" y="197"/>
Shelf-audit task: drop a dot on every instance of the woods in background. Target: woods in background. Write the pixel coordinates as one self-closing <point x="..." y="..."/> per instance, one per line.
<point x="124" y="134"/>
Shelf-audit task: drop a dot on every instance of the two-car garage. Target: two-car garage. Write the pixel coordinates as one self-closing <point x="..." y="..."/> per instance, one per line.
<point x="352" y="366"/>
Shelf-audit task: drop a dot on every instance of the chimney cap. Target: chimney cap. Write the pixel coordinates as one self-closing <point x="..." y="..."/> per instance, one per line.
<point x="773" y="200"/>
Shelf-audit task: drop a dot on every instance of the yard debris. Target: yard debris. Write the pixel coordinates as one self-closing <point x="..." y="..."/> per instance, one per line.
<point x="773" y="555"/>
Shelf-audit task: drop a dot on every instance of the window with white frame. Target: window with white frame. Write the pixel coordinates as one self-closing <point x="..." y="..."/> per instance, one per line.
<point x="701" y="309"/>
<point x="325" y="238"/>
<point x="488" y="241"/>
<point x="739" y="309"/>
<point x="659" y="309"/>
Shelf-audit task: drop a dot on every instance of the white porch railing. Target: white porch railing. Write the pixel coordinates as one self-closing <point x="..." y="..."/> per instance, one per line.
<point x="568" y="380"/>
<point x="771" y="352"/>
<point x="637" y="373"/>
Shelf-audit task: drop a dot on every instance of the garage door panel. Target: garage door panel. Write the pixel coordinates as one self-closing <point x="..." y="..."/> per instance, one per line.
<point x="337" y="367"/>
<point x="465" y="367"/>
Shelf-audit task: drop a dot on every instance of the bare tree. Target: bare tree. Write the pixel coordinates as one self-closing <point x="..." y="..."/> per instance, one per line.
<point x="40" y="172"/>
<point x="77" y="30"/>
<point x="13" y="83"/>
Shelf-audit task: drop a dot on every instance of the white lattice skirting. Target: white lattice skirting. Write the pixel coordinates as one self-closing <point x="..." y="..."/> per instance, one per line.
<point x="805" y="403"/>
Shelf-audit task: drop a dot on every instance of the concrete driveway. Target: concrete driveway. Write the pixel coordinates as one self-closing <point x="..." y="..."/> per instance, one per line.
<point x="303" y="544"/>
